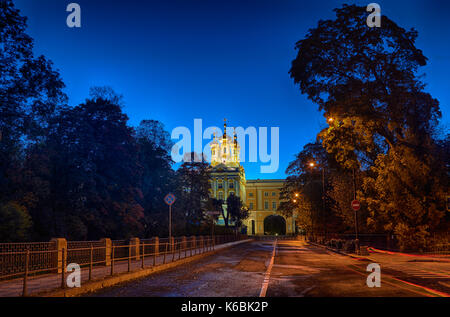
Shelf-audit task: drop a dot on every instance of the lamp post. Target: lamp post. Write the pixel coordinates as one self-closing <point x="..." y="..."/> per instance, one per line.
<point x="356" y="214"/>
<point x="295" y="200"/>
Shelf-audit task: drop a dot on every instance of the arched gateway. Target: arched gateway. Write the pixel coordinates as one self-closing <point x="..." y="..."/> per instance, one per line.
<point x="274" y="225"/>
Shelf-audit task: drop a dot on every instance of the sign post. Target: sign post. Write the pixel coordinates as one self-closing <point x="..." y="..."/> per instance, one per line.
<point x="169" y="200"/>
<point x="356" y="205"/>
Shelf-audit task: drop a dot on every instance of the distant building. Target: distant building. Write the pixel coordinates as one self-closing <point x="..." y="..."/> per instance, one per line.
<point x="262" y="197"/>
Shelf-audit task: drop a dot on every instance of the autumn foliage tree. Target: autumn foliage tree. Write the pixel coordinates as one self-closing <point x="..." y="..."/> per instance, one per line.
<point x="367" y="80"/>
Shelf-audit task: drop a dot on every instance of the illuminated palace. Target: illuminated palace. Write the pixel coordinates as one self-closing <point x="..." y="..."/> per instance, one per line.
<point x="228" y="178"/>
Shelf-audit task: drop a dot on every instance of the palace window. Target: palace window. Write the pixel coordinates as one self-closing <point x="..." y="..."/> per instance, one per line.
<point x="273" y="193"/>
<point x="220" y="195"/>
<point x="251" y="206"/>
<point x="250" y="194"/>
<point x="231" y="185"/>
<point x="274" y="205"/>
<point x="266" y="194"/>
<point x="266" y="205"/>
<point x="220" y="185"/>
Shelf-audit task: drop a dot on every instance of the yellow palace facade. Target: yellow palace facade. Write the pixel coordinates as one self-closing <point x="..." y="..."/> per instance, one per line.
<point x="262" y="197"/>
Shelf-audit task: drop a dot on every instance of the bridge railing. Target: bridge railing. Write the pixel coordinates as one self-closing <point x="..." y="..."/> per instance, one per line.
<point x="29" y="260"/>
<point x="438" y="244"/>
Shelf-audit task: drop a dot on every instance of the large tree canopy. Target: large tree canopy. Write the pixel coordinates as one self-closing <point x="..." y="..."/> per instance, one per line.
<point x="381" y="119"/>
<point x="30" y="98"/>
<point x="351" y="70"/>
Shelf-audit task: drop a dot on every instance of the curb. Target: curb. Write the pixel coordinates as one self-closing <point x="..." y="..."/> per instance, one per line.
<point x="353" y="256"/>
<point x="125" y="277"/>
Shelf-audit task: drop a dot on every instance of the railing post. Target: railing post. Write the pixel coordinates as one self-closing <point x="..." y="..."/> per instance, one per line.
<point x="90" y="262"/>
<point x="63" y="275"/>
<point x="197" y="244"/>
<point x="25" y="276"/>
<point x="183" y="244"/>
<point x="112" y="260"/>
<point x="200" y="239"/>
<point x="143" y="255"/>
<point x="129" y="256"/>
<point x="61" y="243"/>
<point x="193" y="244"/>
<point x="107" y="243"/>
<point x="165" y="251"/>
<point x="174" y="245"/>
<point x="135" y="246"/>
<point x="155" y="249"/>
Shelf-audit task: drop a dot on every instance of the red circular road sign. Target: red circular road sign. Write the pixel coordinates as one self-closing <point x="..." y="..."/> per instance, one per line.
<point x="356" y="205"/>
<point x="169" y="199"/>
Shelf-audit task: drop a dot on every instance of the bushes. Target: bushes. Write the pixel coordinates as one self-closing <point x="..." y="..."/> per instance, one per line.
<point x="15" y="222"/>
<point x="344" y="245"/>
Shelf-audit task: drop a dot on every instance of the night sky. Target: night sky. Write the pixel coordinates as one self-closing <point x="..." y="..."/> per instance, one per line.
<point x="177" y="60"/>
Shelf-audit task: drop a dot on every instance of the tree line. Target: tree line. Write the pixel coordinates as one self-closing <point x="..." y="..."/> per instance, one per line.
<point x="83" y="172"/>
<point x="382" y="143"/>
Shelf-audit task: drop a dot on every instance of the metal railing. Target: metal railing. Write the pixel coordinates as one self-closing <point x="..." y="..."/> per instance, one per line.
<point x="29" y="261"/>
<point x="438" y="244"/>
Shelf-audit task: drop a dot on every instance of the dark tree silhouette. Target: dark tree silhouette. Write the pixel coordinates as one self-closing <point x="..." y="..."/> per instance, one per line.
<point x="367" y="80"/>
<point x="30" y="97"/>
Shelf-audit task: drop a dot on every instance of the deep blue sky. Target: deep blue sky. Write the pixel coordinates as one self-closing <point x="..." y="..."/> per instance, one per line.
<point x="176" y="60"/>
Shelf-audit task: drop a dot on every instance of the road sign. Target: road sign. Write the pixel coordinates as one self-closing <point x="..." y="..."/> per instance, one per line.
<point x="356" y="205"/>
<point x="169" y="199"/>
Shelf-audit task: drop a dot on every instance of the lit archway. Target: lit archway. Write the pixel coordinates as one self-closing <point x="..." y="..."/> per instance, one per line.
<point x="274" y="225"/>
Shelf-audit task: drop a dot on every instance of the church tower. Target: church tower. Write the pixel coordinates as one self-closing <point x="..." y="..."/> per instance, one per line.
<point x="225" y="150"/>
<point x="227" y="174"/>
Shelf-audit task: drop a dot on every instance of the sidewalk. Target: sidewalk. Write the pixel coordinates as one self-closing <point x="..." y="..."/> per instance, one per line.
<point x="48" y="282"/>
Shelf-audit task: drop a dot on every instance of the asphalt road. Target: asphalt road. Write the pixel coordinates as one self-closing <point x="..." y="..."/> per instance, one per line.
<point x="250" y="269"/>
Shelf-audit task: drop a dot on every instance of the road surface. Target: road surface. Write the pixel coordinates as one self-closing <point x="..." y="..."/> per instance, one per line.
<point x="295" y="268"/>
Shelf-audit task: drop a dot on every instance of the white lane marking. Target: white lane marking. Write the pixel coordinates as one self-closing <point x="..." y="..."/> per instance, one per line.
<point x="267" y="275"/>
